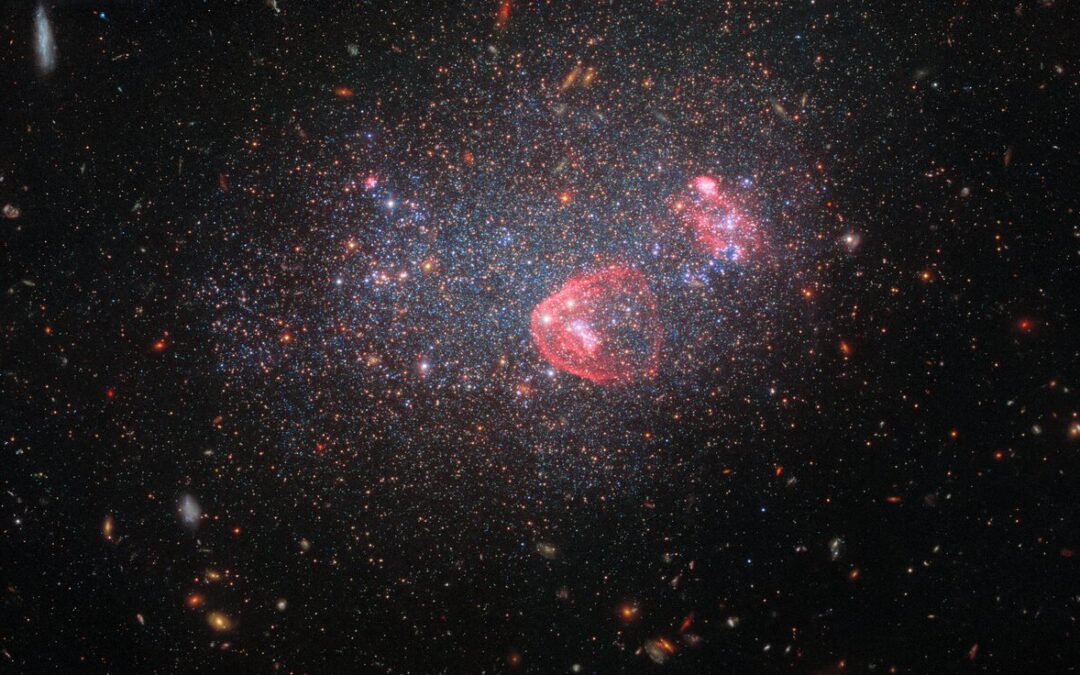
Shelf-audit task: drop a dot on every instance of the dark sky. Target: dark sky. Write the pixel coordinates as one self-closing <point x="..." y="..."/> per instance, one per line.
<point x="544" y="337"/>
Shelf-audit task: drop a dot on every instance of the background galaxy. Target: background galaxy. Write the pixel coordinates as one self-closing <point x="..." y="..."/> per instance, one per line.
<point x="545" y="337"/>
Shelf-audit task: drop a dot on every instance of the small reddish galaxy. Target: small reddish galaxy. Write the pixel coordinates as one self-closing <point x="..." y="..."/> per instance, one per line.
<point x="601" y="326"/>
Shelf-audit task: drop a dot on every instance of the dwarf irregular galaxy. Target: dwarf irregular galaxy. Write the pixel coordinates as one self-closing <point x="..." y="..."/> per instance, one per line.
<point x="545" y="337"/>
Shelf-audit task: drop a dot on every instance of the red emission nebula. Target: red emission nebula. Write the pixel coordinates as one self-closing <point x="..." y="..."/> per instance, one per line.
<point x="602" y="326"/>
<point x="722" y="227"/>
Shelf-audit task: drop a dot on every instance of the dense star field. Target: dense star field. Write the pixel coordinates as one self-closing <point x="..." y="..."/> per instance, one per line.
<point x="547" y="337"/>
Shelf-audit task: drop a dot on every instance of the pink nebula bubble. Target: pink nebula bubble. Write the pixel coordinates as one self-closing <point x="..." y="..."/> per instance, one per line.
<point x="706" y="186"/>
<point x="719" y="221"/>
<point x="602" y="326"/>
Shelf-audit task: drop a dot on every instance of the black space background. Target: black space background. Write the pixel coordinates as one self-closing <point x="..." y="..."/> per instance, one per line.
<point x="69" y="455"/>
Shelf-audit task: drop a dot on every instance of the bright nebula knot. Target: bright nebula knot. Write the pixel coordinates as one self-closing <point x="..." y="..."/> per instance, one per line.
<point x="601" y="326"/>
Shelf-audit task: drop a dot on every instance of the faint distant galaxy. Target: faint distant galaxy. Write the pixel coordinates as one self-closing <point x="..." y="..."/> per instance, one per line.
<point x="44" y="42"/>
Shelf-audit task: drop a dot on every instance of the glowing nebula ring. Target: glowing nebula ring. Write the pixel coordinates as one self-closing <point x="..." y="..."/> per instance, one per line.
<point x="601" y="326"/>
